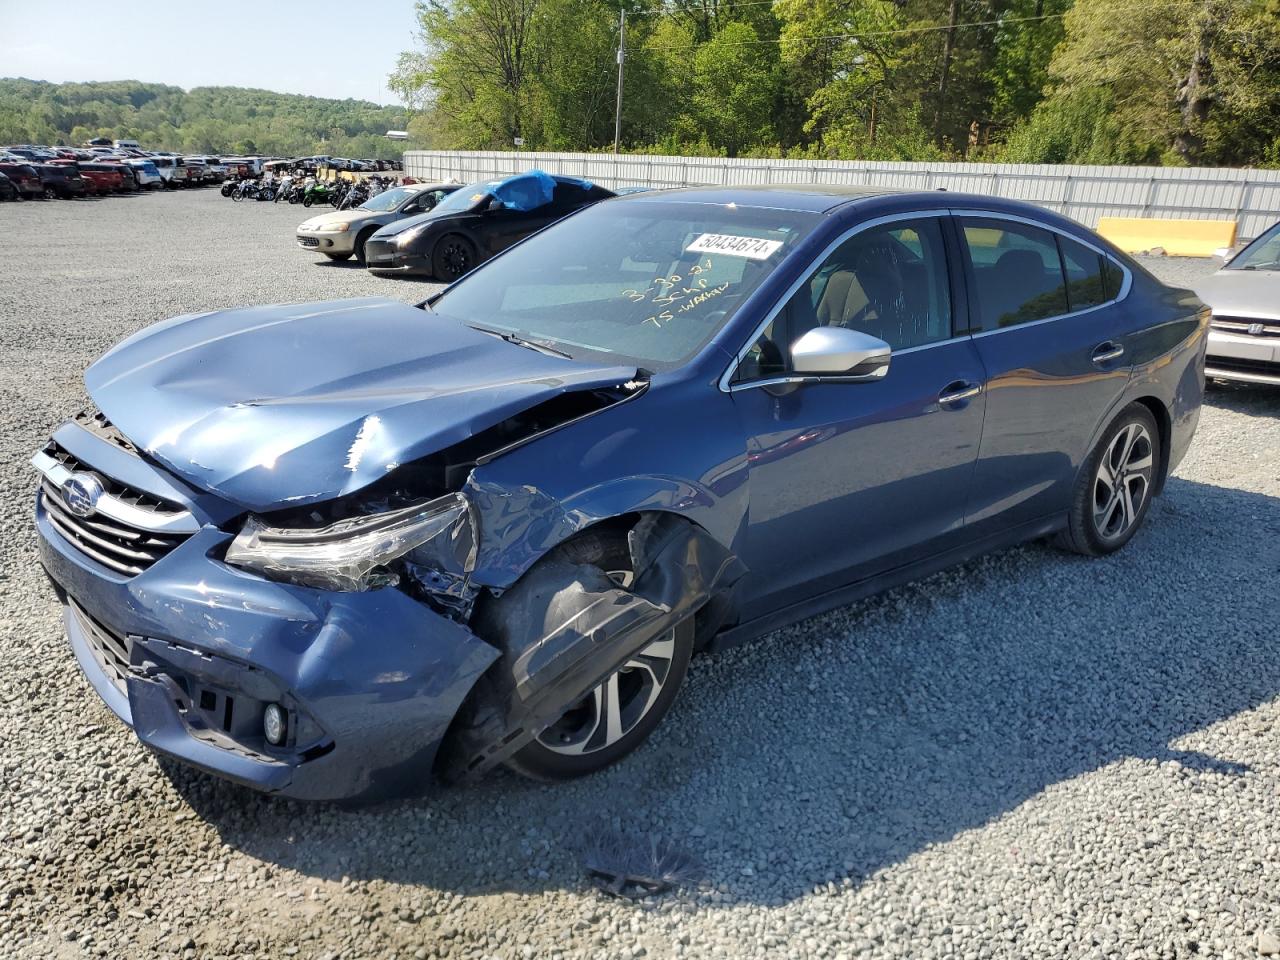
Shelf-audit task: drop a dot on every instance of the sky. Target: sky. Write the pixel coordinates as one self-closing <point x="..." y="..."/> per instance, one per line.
<point x="325" y="48"/>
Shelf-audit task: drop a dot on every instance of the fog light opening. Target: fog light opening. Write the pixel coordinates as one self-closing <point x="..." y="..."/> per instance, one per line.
<point x="275" y="724"/>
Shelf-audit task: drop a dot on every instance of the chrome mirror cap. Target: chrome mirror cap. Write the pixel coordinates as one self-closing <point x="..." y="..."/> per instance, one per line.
<point x="840" y="352"/>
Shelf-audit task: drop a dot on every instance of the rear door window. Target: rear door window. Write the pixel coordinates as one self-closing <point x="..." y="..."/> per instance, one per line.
<point x="1085" y="275"/>
<point x="1017" y="272"/>
<point x="1112" y="278"/>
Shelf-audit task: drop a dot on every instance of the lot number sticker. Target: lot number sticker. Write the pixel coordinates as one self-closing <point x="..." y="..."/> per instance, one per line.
<point x="753" y="248"/>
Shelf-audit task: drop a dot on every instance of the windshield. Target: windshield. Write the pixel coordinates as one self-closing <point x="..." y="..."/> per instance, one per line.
<point x="1262" y="254"/>
<point x="388" y="200"/>
<point x="464" y="198"/>
<point x="646" y="281"/>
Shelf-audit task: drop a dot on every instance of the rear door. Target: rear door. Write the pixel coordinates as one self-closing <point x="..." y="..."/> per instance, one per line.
<point x="848" y="479"/>
<point x="1048" y="332"/>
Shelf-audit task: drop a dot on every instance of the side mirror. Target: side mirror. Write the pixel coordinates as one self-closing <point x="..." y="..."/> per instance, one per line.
<point x="494" y="205"/>
<point x="1223" y="252"/>
<point x="840" y="352"/>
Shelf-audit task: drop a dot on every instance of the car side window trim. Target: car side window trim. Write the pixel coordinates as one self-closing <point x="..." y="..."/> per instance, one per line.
<point x="1125" y="285"/>
<point x="726" y="383"/>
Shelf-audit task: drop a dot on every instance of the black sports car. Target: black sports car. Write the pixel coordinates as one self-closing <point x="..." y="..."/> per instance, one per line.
<point x="480" y="220"/>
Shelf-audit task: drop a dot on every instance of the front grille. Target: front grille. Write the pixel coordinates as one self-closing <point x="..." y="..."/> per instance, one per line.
<point x="308" y="241"/>
<point x="109" y="648"/>
<point x="1238" y="365"/>
<point x="1245" y="326"/>
<point x="119" y="546"/>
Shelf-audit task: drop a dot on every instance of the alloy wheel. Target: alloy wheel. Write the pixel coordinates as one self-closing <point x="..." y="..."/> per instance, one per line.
<point x="457" y="259"/>
<point x="614" y="708"/>
<point x="1122" y="482"/>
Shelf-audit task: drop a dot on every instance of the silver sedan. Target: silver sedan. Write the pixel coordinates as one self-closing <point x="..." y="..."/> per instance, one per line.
<point x="341" y="233"/>
<point x="1244" y="337"/>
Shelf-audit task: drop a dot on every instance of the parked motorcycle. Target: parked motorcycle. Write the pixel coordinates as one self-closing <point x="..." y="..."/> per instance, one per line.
<point x="317" y="193"/>
<point x="246" y="190"/>
<point x="299" y="190"/>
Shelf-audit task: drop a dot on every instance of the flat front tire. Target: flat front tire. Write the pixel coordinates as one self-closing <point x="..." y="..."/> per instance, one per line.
<point x="1114" y="488"/>
<point x="618" y="714"/>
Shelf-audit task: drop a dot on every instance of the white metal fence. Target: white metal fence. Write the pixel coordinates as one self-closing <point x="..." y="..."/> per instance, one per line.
<point x="1250" y="197"/>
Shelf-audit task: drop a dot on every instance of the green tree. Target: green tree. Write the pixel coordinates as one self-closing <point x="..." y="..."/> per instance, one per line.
<point x="1195" y="83"/>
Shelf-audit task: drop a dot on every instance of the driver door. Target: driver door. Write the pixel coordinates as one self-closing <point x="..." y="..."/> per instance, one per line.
<point x="848" y="479"/>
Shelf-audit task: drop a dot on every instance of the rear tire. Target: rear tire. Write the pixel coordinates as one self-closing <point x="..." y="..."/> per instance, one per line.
<point x="1114" y="488"/>
<point x="643" y="690"/>
<point x="338" y="256"/>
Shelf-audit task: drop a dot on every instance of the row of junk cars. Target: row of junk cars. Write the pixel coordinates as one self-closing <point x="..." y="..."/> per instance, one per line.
<point x="101" y="167"/>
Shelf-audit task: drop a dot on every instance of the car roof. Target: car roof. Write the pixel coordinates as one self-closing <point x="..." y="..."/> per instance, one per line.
<point x="830" y="198"/>
<point x="431" y="185"/>
<point x="805" y="197"/>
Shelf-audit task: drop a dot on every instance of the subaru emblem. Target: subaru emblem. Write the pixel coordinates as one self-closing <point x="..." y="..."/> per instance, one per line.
<point x="81" y="493"/>
<point x="1255" y="329"/>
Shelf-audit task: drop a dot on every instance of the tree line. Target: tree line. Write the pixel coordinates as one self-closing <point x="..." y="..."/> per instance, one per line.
<point x="1191" y="82"/>
<point x="213" y="120"/>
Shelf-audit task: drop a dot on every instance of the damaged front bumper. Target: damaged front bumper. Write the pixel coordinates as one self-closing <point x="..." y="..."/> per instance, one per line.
<point x="189" y="652"/>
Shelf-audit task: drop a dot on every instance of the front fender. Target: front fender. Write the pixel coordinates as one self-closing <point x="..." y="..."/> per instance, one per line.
<point x="520" y="525"/>
<point x="648" y="455"/>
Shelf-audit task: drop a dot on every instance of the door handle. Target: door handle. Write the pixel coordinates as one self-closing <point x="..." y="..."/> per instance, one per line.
<point x="1107" y="351"/>
<point x="959" y="390"/>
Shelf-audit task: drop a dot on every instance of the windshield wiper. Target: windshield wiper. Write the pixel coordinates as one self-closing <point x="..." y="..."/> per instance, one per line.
<point x="521" y="341"/>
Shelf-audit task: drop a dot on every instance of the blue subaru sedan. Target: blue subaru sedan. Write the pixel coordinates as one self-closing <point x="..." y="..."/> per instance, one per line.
<point x="345" y="550"/>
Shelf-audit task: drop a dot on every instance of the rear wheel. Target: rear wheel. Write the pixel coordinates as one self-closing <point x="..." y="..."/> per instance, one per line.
<point x="1115" y="486"/>
<point x="50" y="193"/>
<point x="620" y="713"/>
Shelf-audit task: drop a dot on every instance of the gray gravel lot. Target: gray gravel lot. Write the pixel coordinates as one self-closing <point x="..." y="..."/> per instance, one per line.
<point x="1032" y="755"/>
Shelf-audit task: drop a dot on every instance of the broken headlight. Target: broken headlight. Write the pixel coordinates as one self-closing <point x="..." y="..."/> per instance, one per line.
<point x="357" y="553"/>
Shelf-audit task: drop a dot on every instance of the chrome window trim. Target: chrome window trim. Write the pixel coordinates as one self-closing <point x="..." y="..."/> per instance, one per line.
<point x="725" y="383"/>
<point x="116" y="509"/>
<point x="1125" y="286"/>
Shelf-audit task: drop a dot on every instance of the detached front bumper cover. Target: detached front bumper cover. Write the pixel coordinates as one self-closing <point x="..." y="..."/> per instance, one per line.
<point x="564" y="627"/>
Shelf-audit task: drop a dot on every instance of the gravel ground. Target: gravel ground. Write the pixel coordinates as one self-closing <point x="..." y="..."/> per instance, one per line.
<point x="1033" y="755"/>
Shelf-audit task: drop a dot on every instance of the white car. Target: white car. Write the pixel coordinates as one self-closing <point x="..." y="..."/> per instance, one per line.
<point x="1244" y="334"/>
<point x="145" y="172"/>
<point x="172" y="170"/>
<point x="342" y="233"/>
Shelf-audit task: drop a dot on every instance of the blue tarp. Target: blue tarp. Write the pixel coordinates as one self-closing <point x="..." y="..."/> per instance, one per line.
<point x="528" y="191"/>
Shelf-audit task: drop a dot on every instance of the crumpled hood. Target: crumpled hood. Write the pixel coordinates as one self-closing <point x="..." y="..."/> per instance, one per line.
<point x="285" y="405"/>
<point x="1242" y="293"/>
